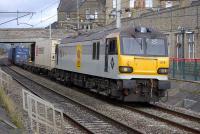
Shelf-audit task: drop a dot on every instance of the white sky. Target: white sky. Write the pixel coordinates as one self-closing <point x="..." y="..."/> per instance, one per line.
<point x="44" y="9"/>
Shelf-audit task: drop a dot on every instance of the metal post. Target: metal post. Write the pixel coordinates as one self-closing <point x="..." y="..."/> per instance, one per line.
<point x="183" y="68"/>
<point x="171" y="21"/>
<point x="118" y="23"/>
<point x="197" y="17"/>
<point x="17" y="18"/>
<point x="195" y="70"/>
<point x="78" y="15"/>
<point x="183" y="42"/>
<point x="50" y="31"/>
<point x="36" y="114"/>
<point x="173" y="66"/>
<point x="183" y="51"/>
<point x="46" y="118"/>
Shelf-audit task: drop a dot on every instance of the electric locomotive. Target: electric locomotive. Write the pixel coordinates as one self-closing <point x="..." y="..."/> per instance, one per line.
<point x="130" y="64"/>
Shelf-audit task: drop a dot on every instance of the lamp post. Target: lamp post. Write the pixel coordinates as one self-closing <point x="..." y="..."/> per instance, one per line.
<point x="78" y="23"/>
<point x="182" y="30"/>
<point x="118" y="11"/>
<point x="183" y="42"/>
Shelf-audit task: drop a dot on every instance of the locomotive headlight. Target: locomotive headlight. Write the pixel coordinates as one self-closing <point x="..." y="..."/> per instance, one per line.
<point x="163" y="71"/>
<point x="124" y="69"/>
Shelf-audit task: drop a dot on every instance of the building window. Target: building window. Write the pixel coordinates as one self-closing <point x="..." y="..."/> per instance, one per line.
<point x="132" y="3"/>
<point x="148" y="3"/>
<point x="87" y="14"/>
<point x="168" y="4"/>
<point x="178" y="45"/>
<point x="114" y="3"/>
<point x="68" y="16"/>
<point x="96" y="14"/>
<point x="191" y="45"/>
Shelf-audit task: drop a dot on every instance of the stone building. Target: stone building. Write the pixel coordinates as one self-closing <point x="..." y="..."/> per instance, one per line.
<point x="85" y="14"/>
<point x="179" y="23"/>
<point x="133" y="8"/>
<point x="178" y="19"/>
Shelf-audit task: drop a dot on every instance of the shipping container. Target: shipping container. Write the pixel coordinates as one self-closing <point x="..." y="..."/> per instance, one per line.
<point x="45" y="56"/>
<point x="19" y="55"/>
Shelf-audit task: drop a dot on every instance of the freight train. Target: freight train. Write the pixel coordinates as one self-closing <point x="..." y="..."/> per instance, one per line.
<point x="129" y="64"/>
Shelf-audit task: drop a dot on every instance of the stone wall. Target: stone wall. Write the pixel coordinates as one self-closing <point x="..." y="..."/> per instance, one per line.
<point x="23" y="33"/>
<point x="31" y="35"/>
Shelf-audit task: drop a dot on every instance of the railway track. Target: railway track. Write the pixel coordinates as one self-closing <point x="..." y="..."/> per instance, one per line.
<point x="174" y="118"/>
<point x="179" y="120"/>
<point x="86" y="118"/>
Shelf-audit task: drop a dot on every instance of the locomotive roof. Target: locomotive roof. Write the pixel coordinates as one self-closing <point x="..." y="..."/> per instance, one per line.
<point x="128" y="31"/>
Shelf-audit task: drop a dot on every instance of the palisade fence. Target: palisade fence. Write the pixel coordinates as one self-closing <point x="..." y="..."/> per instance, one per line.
<point x="44" y="117"/>
<point x="185" y="69"/>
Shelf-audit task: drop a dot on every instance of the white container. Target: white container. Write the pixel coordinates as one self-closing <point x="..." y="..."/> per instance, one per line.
<point x="45" y="53"/>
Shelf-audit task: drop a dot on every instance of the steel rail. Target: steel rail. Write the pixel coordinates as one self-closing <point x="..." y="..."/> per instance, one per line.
<point x="133" y="130"/>
<point x="65" y="115"/>
<point x="173" y="123"/>
<point x="177" y="113"/>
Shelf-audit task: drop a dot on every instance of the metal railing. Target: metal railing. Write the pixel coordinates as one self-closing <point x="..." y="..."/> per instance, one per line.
<point x="185" y="69"/>
<point x="45" y="118"/>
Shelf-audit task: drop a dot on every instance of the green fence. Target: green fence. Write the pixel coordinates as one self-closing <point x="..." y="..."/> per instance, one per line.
<point x="185" y="69"/>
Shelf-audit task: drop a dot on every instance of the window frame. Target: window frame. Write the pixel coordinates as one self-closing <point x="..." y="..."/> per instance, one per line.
<point x="87" y="14"/>
<point x="116" y="47"/>
<point x="96" y="14"/>
<point x="114" y="4"/>
<point x="96" y="50"/>
<point x="131" y="3"/>
<point x="191" y="43"/>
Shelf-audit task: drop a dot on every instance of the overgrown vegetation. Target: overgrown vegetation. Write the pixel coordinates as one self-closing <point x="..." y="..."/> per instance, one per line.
<point x="194" y="92"/>
<point x="11" y="108"/>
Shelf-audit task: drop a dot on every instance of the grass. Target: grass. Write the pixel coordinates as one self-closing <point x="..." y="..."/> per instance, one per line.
<point x="11" y="108"/>
<point x="194" y="92"/>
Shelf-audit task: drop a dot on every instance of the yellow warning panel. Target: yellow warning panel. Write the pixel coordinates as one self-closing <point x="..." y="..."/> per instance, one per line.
<point x="78" y="56"/>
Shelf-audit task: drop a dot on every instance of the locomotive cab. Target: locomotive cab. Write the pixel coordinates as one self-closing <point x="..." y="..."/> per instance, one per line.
<point x="142" y="58"/>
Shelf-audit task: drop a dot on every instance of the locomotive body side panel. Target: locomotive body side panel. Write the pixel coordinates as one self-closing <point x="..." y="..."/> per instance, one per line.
<point x="68" y="57"/>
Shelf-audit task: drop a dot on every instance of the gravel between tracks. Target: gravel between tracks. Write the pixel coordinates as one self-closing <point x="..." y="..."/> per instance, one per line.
<point x="171" y="117"/>
<point x="15" y="92"/>
<point x="179" y="109"/>
<point x="126" y="116"/>
<point x="94" y="122"/>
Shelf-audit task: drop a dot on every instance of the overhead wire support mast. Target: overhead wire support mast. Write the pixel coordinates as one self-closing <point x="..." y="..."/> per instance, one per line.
<point x="118" y="20"/>
<point x="78" y="25"/>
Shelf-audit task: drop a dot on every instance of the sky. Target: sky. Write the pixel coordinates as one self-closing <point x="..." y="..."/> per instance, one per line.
<point x="45" y="13"/>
